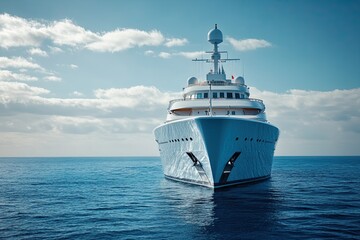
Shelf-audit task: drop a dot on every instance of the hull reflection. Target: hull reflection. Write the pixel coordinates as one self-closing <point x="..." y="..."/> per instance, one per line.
<point x="231" y="213"/>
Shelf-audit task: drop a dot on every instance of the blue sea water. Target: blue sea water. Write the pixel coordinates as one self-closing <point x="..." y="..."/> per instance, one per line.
<point x="128" y="198"/>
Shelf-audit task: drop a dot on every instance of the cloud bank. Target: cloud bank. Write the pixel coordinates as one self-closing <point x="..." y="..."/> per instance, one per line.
<point x="322" y="123"/>
<point x="307" y="119"/>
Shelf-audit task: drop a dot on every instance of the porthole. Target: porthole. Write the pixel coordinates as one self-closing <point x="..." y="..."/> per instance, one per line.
<point x="245" y="139"/>
<point x="251" y="139"/>
<point x="182" y="139"/>
<point x="186" y="139"/>
<point x="237" y="138"/>
<point x="191" y="139"/>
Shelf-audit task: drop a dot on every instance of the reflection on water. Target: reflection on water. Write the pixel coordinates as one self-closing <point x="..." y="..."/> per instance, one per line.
<point x="244" y="211"/>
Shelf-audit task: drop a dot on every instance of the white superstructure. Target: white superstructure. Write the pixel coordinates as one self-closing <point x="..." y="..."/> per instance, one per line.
<point x="215" y="135"/>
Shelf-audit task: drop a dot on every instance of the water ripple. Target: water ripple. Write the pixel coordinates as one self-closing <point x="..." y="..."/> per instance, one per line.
<point x="128" y="198"/>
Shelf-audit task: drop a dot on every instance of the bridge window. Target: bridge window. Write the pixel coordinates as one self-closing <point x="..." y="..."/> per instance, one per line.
<point x="215" y="95"/>
<point x="206" y="95"/>
<point x="229" y="95"/>
<point x="237" y="95"/>
<point x="222" y="95"/>
<point x="199" y="95"/>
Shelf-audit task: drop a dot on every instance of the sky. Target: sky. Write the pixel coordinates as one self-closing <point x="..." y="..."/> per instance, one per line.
<point x="93" y="78"/>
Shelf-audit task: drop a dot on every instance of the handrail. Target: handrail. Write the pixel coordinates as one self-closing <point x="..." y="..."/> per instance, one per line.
<point x="226" y="99"/>
<point x="216" y="83"/>
<point x="171" y="102"/>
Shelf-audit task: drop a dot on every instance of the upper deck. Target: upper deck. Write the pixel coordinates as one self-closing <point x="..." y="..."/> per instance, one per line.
<point x="216" y="95"/>
<point x="198" y="103"/>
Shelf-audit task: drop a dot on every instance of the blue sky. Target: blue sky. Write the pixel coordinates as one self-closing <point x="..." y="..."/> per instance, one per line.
<point x="94" y="77"/>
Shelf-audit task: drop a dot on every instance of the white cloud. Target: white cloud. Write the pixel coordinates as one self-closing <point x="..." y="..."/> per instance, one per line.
<point x="122" y="39"/>
<point x="141" y="97"/>
<point x="6" y="75"/>
<point x="149" y="53"/>
<point x="106" y="102"/>
<point x="52" y="78"/>
<point x="18" y="62"/>
<point x="32" y="124"/>
<point x="248" y="44"/>
<point x="37" y="52"/>
<point x="55" y="50"/>
<point x="73" y="66"/>
<point x="191" y="55"/>
<point x="171" y="42"/>
<point x="164" y="55"/>
<point x="33" y="70"/>
<point x="314" y="122"/>
<point x="77" y="94"/>
<point x="20" y="32"/>
<point x="65" y="32"/>
<point x="15" y="93"/>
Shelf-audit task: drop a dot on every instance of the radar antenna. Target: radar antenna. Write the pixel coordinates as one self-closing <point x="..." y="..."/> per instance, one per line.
<point x="215" y="37"/>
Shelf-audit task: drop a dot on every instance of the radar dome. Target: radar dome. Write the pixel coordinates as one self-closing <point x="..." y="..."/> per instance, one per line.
<point x="215" y="36"/>
<point x="192" y="81"/>
<point x="240" y="80"/>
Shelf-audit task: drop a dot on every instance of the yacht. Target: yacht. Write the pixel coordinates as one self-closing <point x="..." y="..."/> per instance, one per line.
<point x="216" y="135"/>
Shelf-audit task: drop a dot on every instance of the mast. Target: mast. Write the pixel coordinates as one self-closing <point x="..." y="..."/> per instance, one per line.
<point x="210" y="100"/>
<point x="215" y="37"/>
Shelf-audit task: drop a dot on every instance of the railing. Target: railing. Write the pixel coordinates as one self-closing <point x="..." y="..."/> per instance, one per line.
<point x="214" y="99"/>
<point x="216" y="83"/>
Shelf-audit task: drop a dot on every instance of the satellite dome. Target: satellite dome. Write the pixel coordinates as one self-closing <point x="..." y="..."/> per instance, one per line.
<point x="240" y="80"/>
<point x="192" y="81"/>
<point x="215" y="36"/>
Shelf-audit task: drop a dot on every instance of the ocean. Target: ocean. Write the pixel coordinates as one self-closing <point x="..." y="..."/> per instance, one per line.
<point x="128" y="198"/>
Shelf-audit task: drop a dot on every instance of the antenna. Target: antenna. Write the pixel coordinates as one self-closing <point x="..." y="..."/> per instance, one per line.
<point x="243" y="68"/>
<point x="215" y="37"/>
